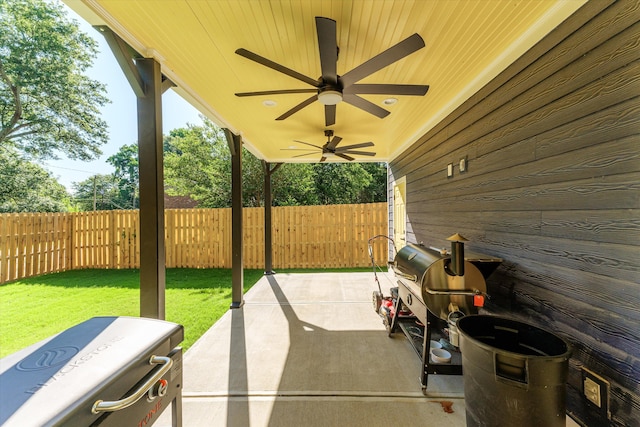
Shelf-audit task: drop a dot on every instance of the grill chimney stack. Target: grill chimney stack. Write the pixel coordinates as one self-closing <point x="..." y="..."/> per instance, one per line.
<point x="456" y="266"/>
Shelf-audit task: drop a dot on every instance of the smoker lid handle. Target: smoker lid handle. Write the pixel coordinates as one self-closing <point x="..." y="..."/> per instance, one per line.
<point x="468" y="292"/>
<point x="411" y="277"/>
<point x="116" y="405"/>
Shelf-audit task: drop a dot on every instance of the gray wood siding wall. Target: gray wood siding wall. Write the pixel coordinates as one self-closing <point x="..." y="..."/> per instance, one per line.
<point x="552" y="187"/>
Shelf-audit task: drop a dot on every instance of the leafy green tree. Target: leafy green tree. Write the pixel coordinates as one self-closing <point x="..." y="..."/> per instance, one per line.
<point x="340" y="183"/>
<point x="127" y="175"/>
<point x="193" y="166"/>
<point x="47" y="104"/>
<point x="27" y="187"/>
<point x="198" y="164"/>
<point x="294" y="185"/>
<point x="99" y="192"/>
<point x="376" y="191"/>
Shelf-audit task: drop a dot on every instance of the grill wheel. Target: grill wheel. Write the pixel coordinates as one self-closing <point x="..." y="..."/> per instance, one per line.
<point x="377" y="301"/>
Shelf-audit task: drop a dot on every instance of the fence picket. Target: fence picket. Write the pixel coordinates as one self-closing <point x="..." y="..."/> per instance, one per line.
<point x="302" y="237"/>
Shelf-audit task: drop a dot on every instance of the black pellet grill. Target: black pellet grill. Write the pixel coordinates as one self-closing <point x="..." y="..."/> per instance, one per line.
<point x="435" y="288"/>
<point x="106" y="371"/>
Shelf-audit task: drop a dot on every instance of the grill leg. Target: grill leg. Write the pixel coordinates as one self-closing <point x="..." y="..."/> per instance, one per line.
<point x="394" y="322"/>
<point x="427" y="366"/>
<point x="426" y="344"/>
<point x="176" y="410"/>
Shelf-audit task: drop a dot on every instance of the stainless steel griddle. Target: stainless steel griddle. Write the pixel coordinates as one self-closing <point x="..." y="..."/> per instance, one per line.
<point x="106" y="371"/>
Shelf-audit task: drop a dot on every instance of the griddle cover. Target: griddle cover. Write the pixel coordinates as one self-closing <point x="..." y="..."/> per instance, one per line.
<point x="56" y="381"/>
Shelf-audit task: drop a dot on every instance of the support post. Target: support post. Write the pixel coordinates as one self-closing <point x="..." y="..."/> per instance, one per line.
<point x="152" y="255"/>
<point x="147" y="82"/>
<point x="268" y="245"/>
<point x="237" y="254"/>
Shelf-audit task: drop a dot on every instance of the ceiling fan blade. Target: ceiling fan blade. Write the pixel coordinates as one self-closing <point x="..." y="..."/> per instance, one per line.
<point x="276" y="92"/>
<point x="334" y="142"/>
<point x="275" y="66"/>
<point x="344" y="156"/>
<point x="323" y="158"/>
<point x="328" y="45"/>
<point x="302" y="155"/>
<point x="365" y="105"/>
<point x="361" y="145"/>
<point x="357" y="153"/>
<point x="387" y="89"/>
<point x="329" y="115"/>
<point x="306" y="143"/>
<point x="298" y="107"/>
<point x="388" y="57"/>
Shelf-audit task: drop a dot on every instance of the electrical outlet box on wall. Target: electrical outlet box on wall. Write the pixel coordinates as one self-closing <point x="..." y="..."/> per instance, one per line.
<point x="595" y="390"/>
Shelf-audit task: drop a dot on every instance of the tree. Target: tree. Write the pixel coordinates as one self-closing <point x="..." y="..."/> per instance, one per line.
<point x="127" y="175"/>
<point x="198" y="164"/>
<point x="376" y="191"/>
<point x="194" y="160"/>
<point x="293" y="184"/>
<point x="340" y="183"/>
<point x="99" y="192"/>
<point x="47" y="104"/>
<point x="27" y="187"/>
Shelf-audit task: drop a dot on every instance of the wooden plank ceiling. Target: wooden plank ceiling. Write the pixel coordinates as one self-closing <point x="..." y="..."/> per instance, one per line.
<point x="467" y="43"/>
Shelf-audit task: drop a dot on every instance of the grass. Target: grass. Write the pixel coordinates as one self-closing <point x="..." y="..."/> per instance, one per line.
<point x="36" y="308"/>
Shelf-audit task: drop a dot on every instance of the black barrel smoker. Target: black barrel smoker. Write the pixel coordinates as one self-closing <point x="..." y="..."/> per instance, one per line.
<point x="106" y="371"/>
<point x="435" y="289"/>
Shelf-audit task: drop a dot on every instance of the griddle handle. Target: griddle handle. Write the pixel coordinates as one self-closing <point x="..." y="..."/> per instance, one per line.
<point x="116" y="405"/>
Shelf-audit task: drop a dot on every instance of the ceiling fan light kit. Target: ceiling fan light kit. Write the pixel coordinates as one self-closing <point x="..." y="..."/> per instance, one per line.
<point x="330" y="97"/>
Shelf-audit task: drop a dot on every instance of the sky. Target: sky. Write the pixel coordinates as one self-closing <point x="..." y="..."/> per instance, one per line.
<point x="120" y="115"/>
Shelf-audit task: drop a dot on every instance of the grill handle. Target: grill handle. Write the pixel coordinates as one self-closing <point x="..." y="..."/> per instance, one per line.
<point x="430" y="291"/>
<point x="116" y="405"/>
<point x="411" y="277"/>
<point x="454" y="292"/>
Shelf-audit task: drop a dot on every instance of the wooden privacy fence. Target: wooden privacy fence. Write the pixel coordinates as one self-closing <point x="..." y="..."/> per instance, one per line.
<point x="303" y="237"/>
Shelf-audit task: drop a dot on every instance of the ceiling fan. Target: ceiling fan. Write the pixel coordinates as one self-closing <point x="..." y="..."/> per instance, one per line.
<point x="331" y="149"/>
<point x="330" y="88"/>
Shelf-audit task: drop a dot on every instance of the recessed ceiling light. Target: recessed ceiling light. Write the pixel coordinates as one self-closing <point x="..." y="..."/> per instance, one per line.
<point x="269" y="103"/>
<point x="390" y="101"/>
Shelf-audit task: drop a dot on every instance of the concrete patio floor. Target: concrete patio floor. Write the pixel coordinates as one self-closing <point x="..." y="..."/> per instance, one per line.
<point x="309" y="350"/>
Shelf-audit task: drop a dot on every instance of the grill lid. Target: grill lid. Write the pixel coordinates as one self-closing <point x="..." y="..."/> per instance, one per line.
<point x="440" y="285"/>
<point x="412" y="261"/>
<point x="101" y="358"/>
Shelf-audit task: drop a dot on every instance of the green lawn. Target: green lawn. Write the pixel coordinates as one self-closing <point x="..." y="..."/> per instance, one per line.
<point x="35" y="308"/>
